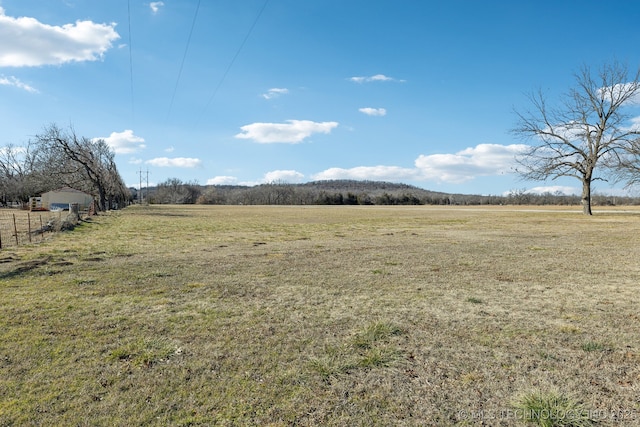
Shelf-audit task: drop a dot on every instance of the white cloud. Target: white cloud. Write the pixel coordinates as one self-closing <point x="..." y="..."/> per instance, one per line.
<point x="277" y="176"/>
<point x="34" y="43"/>
<point x="176" y="162"/>
<point x="553" y="189"/>
<point x="612" y="92"/>
<point x="373" y="173"/>
<point x="275" y="92"/>
<point x="124" y="142"/>
<point x="155" y="6"/>
<point x="634" y="126"/>
<point x="373" y="111"/>
<point x="288" y="176"/>
<point x="250" y="183"/>
<point x="375" y="78"/>
<point x="169" y="150"/>
<point x="457" y="168"/>
<point x="466" y="165"/>
<point x="222" y="180"/>
<point x="291" y="132"/>
<point x="13" y="81"/>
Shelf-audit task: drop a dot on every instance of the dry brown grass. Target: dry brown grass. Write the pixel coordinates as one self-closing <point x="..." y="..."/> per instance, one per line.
<point x="321" y="316"/>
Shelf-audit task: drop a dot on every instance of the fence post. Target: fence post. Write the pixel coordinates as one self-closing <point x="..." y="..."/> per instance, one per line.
<point x="0" y="238"/>
<point x="41" y="230"/>
<point x="29" y="227"/>
<point x="15" y="229"/>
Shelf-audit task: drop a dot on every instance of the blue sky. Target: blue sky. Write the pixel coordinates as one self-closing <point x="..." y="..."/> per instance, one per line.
<point x="251" y="91"/>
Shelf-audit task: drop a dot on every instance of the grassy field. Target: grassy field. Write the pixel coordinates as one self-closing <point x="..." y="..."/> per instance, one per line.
<point x="337" y="316"/>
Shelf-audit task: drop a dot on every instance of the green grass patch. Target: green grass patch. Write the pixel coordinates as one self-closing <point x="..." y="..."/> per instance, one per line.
<point x="146" y="352"/>
<point x="552" y="409"/>
<point x="377" y="357"/>
<point x="368" y="349"/>
<point x="375" y="332"/>
<point x="593" y="346"/>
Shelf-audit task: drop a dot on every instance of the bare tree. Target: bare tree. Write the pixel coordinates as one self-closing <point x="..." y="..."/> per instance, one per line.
<point x="81" y="163"/>
<point x="174" y="191"/>
<point x="17" y="180"/>
<point x="588" y="136"/>
<point x="117" y="192"/>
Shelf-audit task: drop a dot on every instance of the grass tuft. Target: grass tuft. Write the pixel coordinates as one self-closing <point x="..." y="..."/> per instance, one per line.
<point x="551" y="409"/>
<point x="377" y="357"/>
<point x="593" y="346"/>
<point x="145" y="352"/>
<point x="331" y="366"/>
<point x="367" y="350"/>
<point x="376" y="332"/>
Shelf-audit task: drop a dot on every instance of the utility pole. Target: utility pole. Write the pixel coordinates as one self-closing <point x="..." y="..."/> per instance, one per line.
<point x="147" y="183"/>
<point x="141" y="195"/>
<point x="140" y="189"/>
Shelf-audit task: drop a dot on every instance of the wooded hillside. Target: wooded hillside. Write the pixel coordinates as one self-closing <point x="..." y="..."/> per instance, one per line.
<point x="347" y="192"/>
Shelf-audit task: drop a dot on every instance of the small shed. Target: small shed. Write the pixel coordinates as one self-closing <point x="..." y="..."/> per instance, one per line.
<point x="62" y="198"/>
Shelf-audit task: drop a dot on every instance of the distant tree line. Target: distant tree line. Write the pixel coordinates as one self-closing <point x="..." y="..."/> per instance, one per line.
<point x="174" y="191"/>
<point x="60" y="158"/>
<point x="348" y="192"/>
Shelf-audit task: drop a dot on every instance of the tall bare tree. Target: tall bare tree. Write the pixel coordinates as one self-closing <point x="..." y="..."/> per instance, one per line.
<point x="588" y="136"/>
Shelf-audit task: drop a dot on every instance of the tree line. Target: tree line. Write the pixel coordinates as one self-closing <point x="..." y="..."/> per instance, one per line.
<point x="58" y="158"/>
<point x="348" y="192"/>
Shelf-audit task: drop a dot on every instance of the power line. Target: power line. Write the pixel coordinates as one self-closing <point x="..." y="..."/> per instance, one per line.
<point x="130" y="60"/>
<point x="233" y="60"/>
<point x="184" y="57"/>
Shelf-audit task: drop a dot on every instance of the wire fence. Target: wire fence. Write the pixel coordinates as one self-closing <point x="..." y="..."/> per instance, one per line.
<point x="19" y="227"/>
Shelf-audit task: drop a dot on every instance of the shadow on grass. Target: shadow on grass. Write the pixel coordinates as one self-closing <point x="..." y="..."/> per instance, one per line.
<point x="25" y="267"/>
